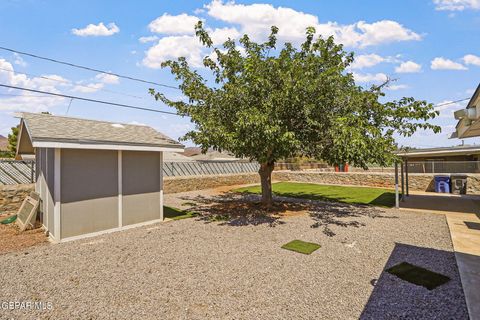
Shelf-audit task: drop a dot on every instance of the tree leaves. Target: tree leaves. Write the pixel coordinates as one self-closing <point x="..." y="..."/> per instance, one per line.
<point x="268" y="103"/>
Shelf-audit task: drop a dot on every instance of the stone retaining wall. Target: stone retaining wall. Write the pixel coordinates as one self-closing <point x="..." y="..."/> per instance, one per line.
<point x="417" y="182"/>
<point x="191" y="183"/>
<point x="11" y="196"/>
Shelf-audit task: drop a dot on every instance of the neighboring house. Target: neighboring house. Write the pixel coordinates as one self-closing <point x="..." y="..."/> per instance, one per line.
<point x="457" y="159"/>
<point x="469" y="119"/>
<point x="94" y="176"/>
<point x="456" y="153"/>
<point x="196" y="154"/>
<point x="176" y="157"/>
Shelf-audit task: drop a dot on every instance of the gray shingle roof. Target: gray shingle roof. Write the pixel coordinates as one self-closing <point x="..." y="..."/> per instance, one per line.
<point x="45" y="127"/>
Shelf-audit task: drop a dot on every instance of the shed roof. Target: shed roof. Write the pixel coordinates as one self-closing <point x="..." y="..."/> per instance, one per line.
<point x="45" y="130"/>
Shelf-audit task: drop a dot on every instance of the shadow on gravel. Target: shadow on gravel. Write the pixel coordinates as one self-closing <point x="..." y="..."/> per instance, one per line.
<point x="394" y="298"/>
<point x="239" y="209"/>
<point x="327" y="214"/>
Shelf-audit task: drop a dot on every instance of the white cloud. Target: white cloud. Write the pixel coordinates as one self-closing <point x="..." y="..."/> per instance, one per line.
<point x="456" y="5"/>
<point x="168" y="24"/>
<point x="366" y="61"/>
<point x="173" y="47"/>
<point x="88" y="88"/>
<point x="136" y="123"/>
<point x="256" y="20"/>
<point x="107" y="78"/>
<point x="188" y="46"/>
<point x="19" y="60"/>
<point x="96" y="30"/>
<point x="15" y="100"/>
<point x="471" y="59"/>
<point x="395" y="87"/>
<point x="440" y="63"/>
<point x="148" y="39"/>
<point x="369" y="77"/>
<point x="385" y="31"/>
<point x="408" y="67"/>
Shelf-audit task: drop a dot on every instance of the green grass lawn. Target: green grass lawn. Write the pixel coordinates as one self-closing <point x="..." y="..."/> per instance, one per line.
<point x="177" y="214"/>
<point x="354" y="195"/>
<point x="301" y="246"/>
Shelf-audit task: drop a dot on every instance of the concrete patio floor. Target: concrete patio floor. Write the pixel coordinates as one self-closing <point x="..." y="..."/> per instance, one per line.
<point x="463" y="217"/>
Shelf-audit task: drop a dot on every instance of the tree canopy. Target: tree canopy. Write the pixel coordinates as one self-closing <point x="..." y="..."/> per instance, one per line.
<point x="269" y="103"/>
<point x="12" y="142"/>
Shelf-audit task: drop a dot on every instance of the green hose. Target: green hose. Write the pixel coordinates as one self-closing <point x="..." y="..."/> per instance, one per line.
<point x="9" y="219"/>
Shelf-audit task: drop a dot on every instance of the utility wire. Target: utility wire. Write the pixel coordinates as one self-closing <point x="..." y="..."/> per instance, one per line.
<point x="68" y="82"/>
<point x="451" y="102"/>
<point x="89" y="100"/>
<point x="23" y="95"/>
<point x="88" y="68"/>
<point x="125" y="105"/>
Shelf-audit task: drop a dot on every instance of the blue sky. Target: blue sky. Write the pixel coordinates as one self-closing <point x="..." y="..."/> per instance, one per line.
<point x="429" y="46"/>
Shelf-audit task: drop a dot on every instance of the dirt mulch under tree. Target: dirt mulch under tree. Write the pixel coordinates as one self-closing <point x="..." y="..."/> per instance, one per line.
<point x="11" y="239"/>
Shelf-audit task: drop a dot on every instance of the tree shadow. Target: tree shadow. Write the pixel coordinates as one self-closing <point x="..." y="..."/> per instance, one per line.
<point x="241" y="209"/>
<point x="327" y="214"/>
<point x="386" y="200"/>
<point x="394" y="298"/>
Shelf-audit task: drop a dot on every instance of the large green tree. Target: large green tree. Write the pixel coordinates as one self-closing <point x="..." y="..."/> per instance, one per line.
<point x="265" y="103"/>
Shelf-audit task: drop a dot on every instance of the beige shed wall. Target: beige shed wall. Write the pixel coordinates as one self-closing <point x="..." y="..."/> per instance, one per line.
<point x="49" y="179"/>
<point x="89" y="191"/>
<point x="140" y="187"/>
<point x="44" y="186"/>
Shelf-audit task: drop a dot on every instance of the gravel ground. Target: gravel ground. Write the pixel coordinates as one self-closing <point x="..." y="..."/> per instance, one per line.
<point x="198" y="269"/>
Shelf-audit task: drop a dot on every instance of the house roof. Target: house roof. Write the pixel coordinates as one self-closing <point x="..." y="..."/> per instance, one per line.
<point x="176" y="157"/>
<point x="212" y="155"/>
<point x="45" y="130"/>
<point x="444" y="151"/>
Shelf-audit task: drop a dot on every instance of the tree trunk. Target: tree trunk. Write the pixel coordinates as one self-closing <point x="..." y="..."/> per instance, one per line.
<point x="265" y="172"/>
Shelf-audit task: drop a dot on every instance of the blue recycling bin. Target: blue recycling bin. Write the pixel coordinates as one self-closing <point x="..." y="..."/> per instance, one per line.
<point x="442" y="184"/>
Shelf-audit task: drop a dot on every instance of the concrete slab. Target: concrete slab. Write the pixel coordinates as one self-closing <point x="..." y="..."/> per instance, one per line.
<point x="462" y="215"/>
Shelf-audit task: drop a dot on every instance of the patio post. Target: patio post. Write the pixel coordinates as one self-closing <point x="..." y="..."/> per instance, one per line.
<point x="402" y="181"/>
<point x="397" y="205"/>
<point x="406" y="176"/>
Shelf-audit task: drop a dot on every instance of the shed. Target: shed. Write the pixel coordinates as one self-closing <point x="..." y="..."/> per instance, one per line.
<point x="93" y="176"/>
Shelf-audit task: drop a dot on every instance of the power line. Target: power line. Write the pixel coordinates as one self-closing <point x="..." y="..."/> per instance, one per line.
<point x="451" y="102"/>
<point x="125" y="105"/>
<point x="69" y="82"/>
<point x="88" y="68"/>
<point x="89" y="100"/>
<point x="23" y="95"/>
